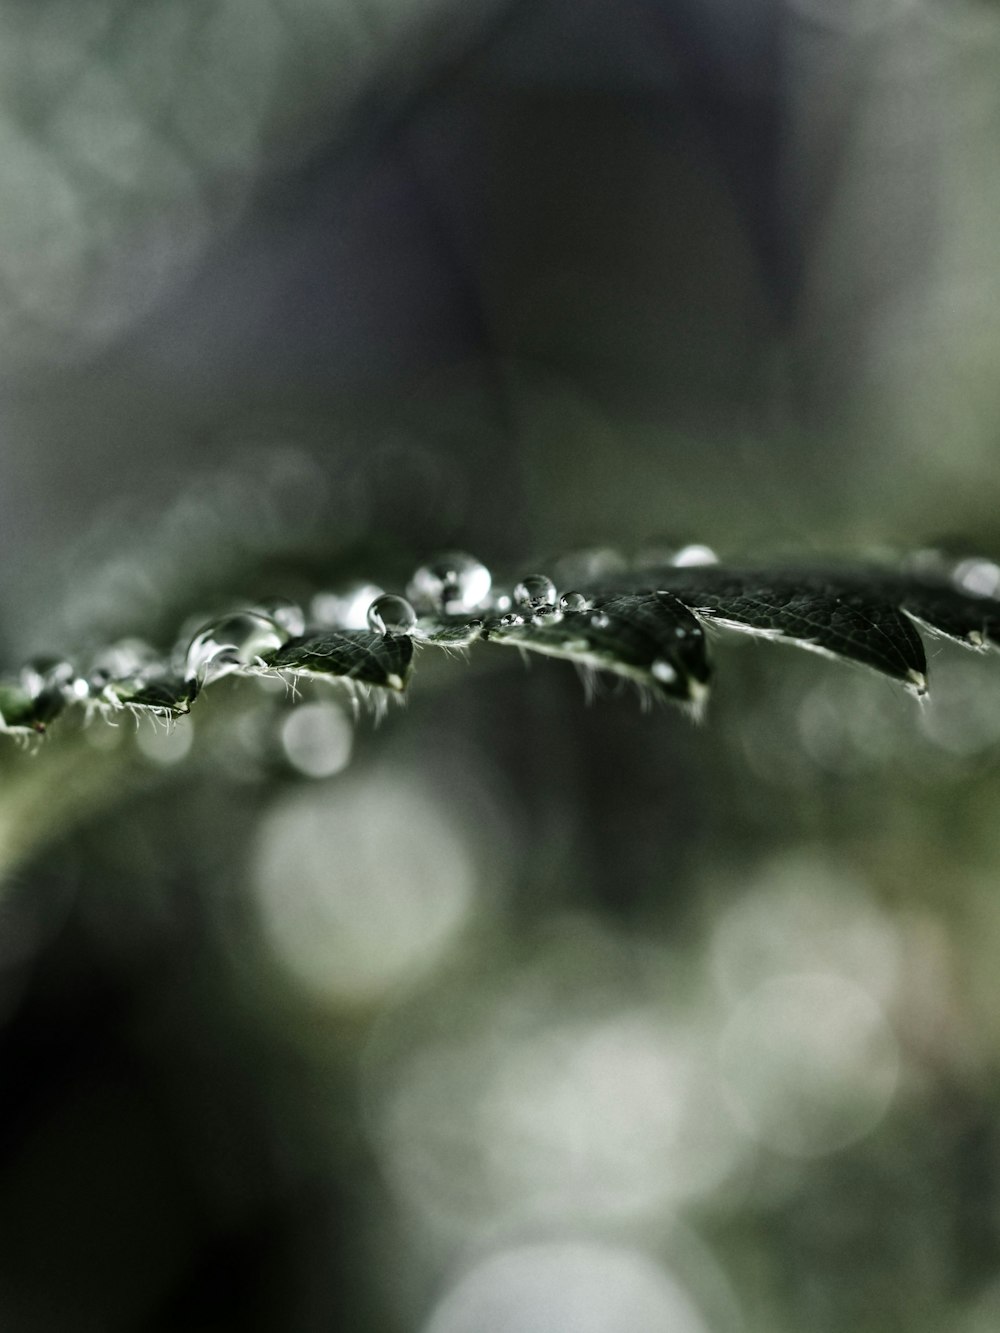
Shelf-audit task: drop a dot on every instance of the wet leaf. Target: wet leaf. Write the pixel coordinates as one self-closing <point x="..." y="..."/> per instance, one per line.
<point x="652" y="639"/>
<point x="373" y="659"/>
<point x="825" y="613"/>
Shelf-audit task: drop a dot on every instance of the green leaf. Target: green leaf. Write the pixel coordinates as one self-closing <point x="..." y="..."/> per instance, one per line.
<point x="651" y="639"/>
<point x="359" y="655"/>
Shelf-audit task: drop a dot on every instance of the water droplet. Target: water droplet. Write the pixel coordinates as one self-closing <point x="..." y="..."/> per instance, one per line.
<point x="600" y="620"/>
<point x="511" y="619"/>
<point x="590" y="565"/>
<point x="345" y="607"/>
<point x="981" y="578"/>
<point x="574" y="601"/>
<point x="693" y="555"/>
<point x="546" y="615"/>
<point x="49" y="682"/>
<point x="534" y="591"/>
<point x="43" y="675"/>
<point x="121" y="661"/>
<point x="232" y="642"/>
<point x="454" y="582"/>
<point x="662" y="671"/>
<point x="390" y="614"/>
<point x="286" y="615"/>
<point x="500" y="602"/>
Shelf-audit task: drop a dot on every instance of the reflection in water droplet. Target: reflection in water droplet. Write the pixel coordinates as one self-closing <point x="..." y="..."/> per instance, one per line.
<point x="390" y="614"/>
<point x="574" y="601"/>
<point x="534" y="591"/>
<point x="454" y="582"/>
<point x="546" y="615"/>
<point x="511" y="619"/>
<point x="689" y="556"/>
<point x="317" y="739"/>
<point x="226" y="644"/>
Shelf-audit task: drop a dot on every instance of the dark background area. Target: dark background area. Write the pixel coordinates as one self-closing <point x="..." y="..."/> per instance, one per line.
<point x="512" y="1012"/>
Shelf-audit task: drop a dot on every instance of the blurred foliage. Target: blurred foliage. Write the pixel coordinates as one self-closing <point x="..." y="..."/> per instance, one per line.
<point x="516" y="1013"/>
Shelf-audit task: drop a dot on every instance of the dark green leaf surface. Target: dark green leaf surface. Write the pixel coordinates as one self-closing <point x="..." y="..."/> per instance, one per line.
<point x="373" y="659"/>
<point x="650" y="638"/>
<point x="644" y="624"/>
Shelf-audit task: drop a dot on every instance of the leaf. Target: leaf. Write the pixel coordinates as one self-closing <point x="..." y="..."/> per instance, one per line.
<point x="644" y="624"/>
<point x="360" y="655"/>
<point x="652" y="639"/>
<point x="165" y="695"/>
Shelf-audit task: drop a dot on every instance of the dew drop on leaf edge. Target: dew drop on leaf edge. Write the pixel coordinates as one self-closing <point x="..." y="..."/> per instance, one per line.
<point x="230" y="642"/>
<point x="390" y="614"/>
<point x="534" y="591"/>
<point x="453" y="582"/>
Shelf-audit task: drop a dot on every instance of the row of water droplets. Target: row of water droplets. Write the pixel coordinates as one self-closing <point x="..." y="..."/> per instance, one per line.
<point x="454" y="584"/>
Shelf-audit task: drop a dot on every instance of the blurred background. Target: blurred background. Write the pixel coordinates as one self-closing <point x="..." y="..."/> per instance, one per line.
<point x="510" y="1014"/>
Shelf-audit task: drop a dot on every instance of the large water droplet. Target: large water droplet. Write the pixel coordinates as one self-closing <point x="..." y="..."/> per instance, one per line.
<point x="454" y="583"/>
<point x="49" y="682"/>
<point x="345" y="607"/>
<point x="390" y="614"/>
<point x="286" y="615"/>
<point x="693" y="555"/>
<point x="980" y="578"/>
<point x="534" y="591"/>
<point x="232" y="642"/>
<point x="44" y="675"/>
<point x="123" y="660"/>
<point x="574" y="601"/>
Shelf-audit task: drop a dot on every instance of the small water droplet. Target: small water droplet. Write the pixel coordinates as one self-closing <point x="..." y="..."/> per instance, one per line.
<point x="227" y="644"/>
<point x="500" y="602"/>
<point x="534" y="591"/>
<point x="662" y="671"/>
<point x="600" y="620"/>
<point x="694" y="555"/>
<point x="574" y="601"/>
<point x="454" y="582"/>
<point x="511" y="619"/>
<point x="546" y="615"/>
<point x="390" y="614"/>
